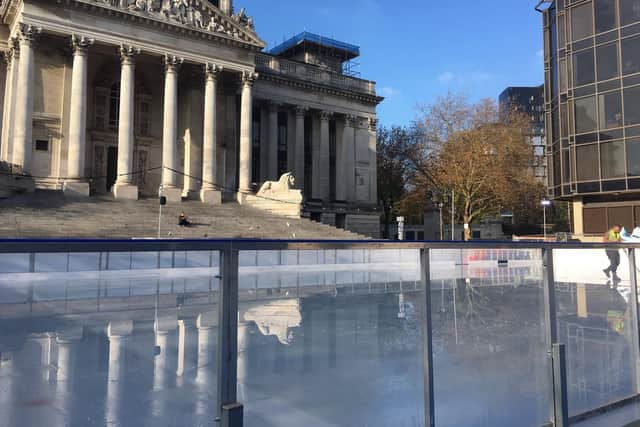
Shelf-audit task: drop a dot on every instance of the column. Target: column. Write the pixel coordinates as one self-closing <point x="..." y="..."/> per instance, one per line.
<point x="272" y="152"/>
<point x="186" y="350"/>
<point x="67" y="349"/>
<point x="346" y="174"/>
<point x="323" y="172"/>
<point x="246" y="124"/>
<point x="119" y="334"/>
<point x="211" y="192"/>
<point x="124" y="187"/>
<point x="22" y="138"/>
<point x="299" y="152"/>
<point x="206" y="369"/>
<point x="78" y="186"/>
<point x="170" y="130"/>
<point x="373" y="160"/>
<point x="12" y="56"/>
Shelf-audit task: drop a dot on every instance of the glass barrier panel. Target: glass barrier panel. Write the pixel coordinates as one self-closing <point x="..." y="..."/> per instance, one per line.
<point x="595" y="322"/>
<point x="330" y="337"/>
<point x="491" y="366"/>
<point x="120" y="338"/>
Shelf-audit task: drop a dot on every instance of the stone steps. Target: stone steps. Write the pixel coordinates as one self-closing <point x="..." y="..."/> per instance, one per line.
<point x="51" y="214"/>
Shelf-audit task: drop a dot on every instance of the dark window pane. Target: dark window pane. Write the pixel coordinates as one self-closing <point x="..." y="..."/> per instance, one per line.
<point x="587" y="162"/>
<point x="581" y="22"/>
<point x="610" y="106"/>
<point x="565" y="166"/>
<point x="607" y="59"/>
<point x="562" y="40"/>
<point x="583" y="70"/>
<point x="633" y="156"/>
<point x="612" y="159"/>
<point x="586" y="115"/>
<point x="563" y="75"/>
<point x="631" y="55"/>
<point x="629" y="11"/>
<point x="564" y="121"/>
<point x="632" y="106"/>
<point x="605" y="15"/>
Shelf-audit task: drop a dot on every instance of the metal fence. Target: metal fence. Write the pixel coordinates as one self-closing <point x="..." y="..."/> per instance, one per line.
<point x="223" y="262"/>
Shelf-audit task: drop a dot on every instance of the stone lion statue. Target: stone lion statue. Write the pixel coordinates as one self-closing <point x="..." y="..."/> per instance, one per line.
<point x="284" y="185"/>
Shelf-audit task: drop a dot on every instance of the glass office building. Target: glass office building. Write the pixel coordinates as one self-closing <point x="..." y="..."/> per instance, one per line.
<point x="592" y="110"/>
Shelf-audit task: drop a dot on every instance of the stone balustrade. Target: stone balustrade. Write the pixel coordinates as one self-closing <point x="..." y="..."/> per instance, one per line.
<point x="313" y="73"/>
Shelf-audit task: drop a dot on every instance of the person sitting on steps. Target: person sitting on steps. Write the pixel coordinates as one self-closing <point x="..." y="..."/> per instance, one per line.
<point x="183" y="220"/>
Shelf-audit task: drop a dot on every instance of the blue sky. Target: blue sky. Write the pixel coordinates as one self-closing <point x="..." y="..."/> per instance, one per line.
<point x="418" y="49"/>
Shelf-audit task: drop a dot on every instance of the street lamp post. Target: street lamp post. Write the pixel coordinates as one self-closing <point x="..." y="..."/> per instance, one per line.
<point x="440" y="206"/>
<point x="545" y="203"/>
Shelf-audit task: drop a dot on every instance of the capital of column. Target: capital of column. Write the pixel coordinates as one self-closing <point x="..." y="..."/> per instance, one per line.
<point x="172" y="63"/>
<point x="325" y="115"/>
<point x="29" y="34"/>
<point x="128" y="54"/>
<point x="301" y="110"/>
<point x="212" y="71"/>
<point x="351" y="120"/>
<point x="249" y="78"/>
<point x="373" y="124"/>
<point x="13" y="51"/>
<point x="80" y="44"/>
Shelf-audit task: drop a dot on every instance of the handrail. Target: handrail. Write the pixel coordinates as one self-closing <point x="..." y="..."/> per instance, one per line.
<point x="152" y="245"/>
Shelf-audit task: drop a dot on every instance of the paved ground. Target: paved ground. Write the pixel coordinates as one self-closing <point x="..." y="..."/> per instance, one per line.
<point x="51" y="214"/>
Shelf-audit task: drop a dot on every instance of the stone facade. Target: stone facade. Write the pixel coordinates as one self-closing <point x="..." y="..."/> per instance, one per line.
<point x="136" y="97"/>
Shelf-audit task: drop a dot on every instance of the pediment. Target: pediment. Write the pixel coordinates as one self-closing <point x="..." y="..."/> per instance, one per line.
<point x="198" y="15"/>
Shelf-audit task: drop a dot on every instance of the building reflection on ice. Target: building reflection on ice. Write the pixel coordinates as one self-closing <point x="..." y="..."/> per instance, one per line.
<point x="324" y="338"/>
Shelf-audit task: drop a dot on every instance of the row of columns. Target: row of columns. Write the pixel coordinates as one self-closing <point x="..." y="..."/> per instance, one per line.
<point x="345" y="153"/>
<point x="18" y="118"/>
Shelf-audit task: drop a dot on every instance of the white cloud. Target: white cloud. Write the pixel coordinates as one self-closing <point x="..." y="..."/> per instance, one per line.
<point x="388" y="91"/>
<point x="446" y="78"/>
<point x="540" y="53"/>
<point x="450" y="78"/>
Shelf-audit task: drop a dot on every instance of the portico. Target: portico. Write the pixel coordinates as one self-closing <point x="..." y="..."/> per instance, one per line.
<point x="142" y="100"/>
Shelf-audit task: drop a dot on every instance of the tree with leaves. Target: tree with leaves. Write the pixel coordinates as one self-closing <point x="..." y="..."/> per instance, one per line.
<point x="485" y="160"/>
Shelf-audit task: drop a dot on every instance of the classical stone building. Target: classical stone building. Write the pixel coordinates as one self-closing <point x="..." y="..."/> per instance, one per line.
<point x="178" y="96"/>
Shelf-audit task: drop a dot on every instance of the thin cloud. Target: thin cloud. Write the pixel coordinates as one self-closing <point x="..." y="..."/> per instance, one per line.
<point x="388" y="91"/>
<point x="450" y="78"/>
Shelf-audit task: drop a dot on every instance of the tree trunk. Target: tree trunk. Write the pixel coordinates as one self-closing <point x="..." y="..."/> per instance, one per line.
<point x="467" y="230"/>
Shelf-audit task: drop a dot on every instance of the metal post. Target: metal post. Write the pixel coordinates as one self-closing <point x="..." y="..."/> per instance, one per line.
<point x="441" y="225"/>
<point x="229" y="411"/>
<point x="427" y="340"/>
<point x="453" y="215"/>
<point x="558" y="372"/>
<point x="635" y="338"/>
<point x="560" y="401"/>
<point x="544" y="222"/>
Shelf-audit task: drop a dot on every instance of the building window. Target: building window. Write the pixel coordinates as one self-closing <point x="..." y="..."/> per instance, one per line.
<point x="610" y="106"/>
<point x="581" y="22"/>
<point x="566" y="175"/>
<point x="612" y="159"/>
<point x="631" y="55"/>
<point x="143" y="117"/>
<point x="42" y="145"/>
<point x="607" y="60"/>
<point x="562" y="40"/>
<point x="587" y="162"/>
<point x="101" y="108"/>
<point x="586" y="115"/>
<point x="629" y="11"/>
<point x="114" y="105"/>
<point x="633" y="157"/>
<point x="583" y="69"/>
<point x="563" y="75"/>
<point x="632" y="106"/>
<point x="606" y="18"/>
